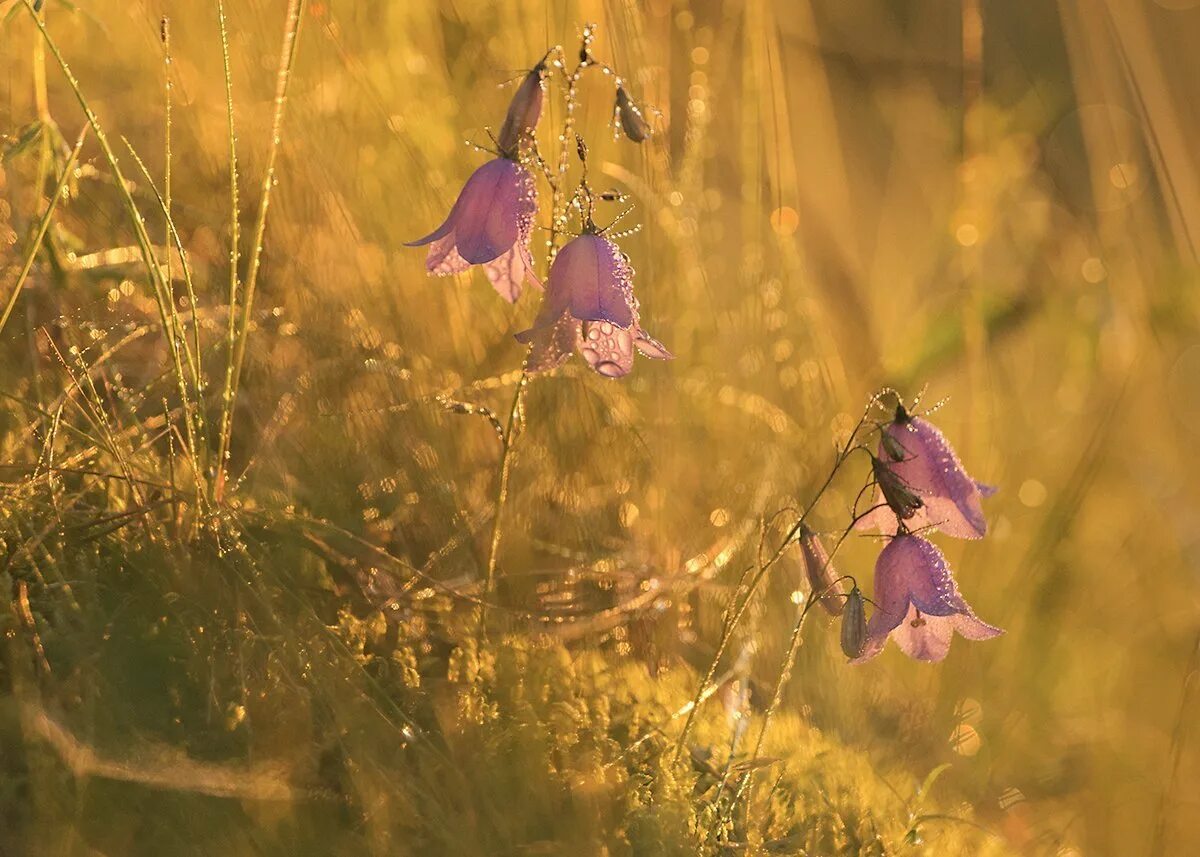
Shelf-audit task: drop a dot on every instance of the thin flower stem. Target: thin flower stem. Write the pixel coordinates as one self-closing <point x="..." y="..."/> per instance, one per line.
<point x="789" y="660"/>
<point x="511" y="433"/>
<point x="736" y="610"/>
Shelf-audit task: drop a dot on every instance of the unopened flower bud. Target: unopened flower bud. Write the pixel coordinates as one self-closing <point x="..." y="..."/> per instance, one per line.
<point x="854" y="625"/>
<point x="633" y="123"/>
<point x="524" y="111"/>
<point x="822" y="578"/>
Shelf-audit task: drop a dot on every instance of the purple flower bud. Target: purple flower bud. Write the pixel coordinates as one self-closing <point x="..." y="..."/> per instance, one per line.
<point x="917" y="603"/>
<point x="589" y="306"/>
<point x="490" y="225"/>
<point x="854" y="625"/>
<point x="633" y="123"/>
<point x="822" y="577"/>
<point x="929" y="469"/>
<point x="524" y="111"/>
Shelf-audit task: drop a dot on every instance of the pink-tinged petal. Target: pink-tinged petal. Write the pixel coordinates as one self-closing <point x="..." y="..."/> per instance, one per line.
<point x="507" y="272"/>
<point x="974" y="628"/>
<point x="924" y="638"/>
<point x="932" y="470"/>
<point x="551" y="344"/>
<point x="443" y="259"/>
<point x="608" y="349"/>
<point x="651" y="347"/>
<point x="879" y="517"/>
<point x="986" y="490"/>
<point x="596" y="279"/>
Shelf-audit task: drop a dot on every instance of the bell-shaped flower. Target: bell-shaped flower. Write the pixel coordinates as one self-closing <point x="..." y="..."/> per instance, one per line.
<point x="916" y="461"/>
<point x="490" y="225"/>
<point x="917" y="603"/>
<point x="589" y="307"/>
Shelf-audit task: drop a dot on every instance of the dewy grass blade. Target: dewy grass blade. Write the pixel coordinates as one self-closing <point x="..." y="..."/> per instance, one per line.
<point x="287" y="60"/>
<point x="43" y="226"/>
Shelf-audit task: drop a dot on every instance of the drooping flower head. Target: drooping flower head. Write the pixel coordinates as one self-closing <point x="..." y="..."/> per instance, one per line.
<point x="918" y="604"/>
<point x="916" y="463"/>
<point x="590" y="307"/>
<point x="492" y="220"/>
<point x="490" y="225"/>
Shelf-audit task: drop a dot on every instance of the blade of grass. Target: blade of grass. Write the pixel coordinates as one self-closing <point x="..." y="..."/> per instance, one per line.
<point x="287" y="60"/>
<point x="218" y="485"/>
<point x="139" y="224"/>
<point x="43" y="226"/>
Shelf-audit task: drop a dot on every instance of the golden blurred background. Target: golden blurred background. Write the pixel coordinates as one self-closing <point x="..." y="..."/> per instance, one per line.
<point x="1000" y="202"/>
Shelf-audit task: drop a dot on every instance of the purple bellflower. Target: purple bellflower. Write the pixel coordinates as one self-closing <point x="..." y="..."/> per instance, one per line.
<point x="590" y="307"/>
<point x="492" y="220"/>
<point x="918" y="604"/>
<point x="490" y="225"/>
<point x="916" y="461"/>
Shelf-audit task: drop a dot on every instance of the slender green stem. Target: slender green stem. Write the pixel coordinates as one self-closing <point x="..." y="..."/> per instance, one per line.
<point x="737" y="609"/>
<point x="43" y="226"/>
<point x="287" y="60"/>
<point x="789" y="659"/>
<point x="511" y="434"/>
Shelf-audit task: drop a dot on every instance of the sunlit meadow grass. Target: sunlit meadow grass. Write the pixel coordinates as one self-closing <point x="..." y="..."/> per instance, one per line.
<point x="281" y="651"/>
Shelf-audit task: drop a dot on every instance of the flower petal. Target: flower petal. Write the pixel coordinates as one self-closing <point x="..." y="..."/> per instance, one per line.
<point x="551" y="344"/>
<point x="596" y="279"/>
<point x="608" y="349"/>
<point x="443" y="259"/>
<point x="932" y="469"/>
<point x="508" y="271"/>
<point x="651" y="347"/>
<point x="924" y="638"/>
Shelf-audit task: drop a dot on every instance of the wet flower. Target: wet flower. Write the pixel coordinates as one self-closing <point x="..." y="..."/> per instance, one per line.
<point x="822" y="577"/>
<point x="917" y="603"/>
<point x="589" y="306"/>
<point x="633" y="123"/>
<point x="490" y="225"/>
<point x="524" y="111"/>
<point x="916" y="462"/>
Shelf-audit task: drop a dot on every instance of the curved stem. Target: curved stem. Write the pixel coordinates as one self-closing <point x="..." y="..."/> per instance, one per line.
<point x="511" y="434"/>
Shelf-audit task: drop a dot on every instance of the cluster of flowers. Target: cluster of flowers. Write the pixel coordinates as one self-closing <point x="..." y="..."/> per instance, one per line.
<point x="589" y="305"/>
<point x="921" y="486"/>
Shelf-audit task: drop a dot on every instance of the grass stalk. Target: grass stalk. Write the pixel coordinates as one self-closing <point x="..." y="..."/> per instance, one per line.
<point x="287" y="59"/>
<point x="43" y="226"/>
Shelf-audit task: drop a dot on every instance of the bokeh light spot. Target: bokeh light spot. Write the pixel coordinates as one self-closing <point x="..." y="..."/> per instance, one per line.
<point x="785" y="220"/>
<point x="1032" y="493"/>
